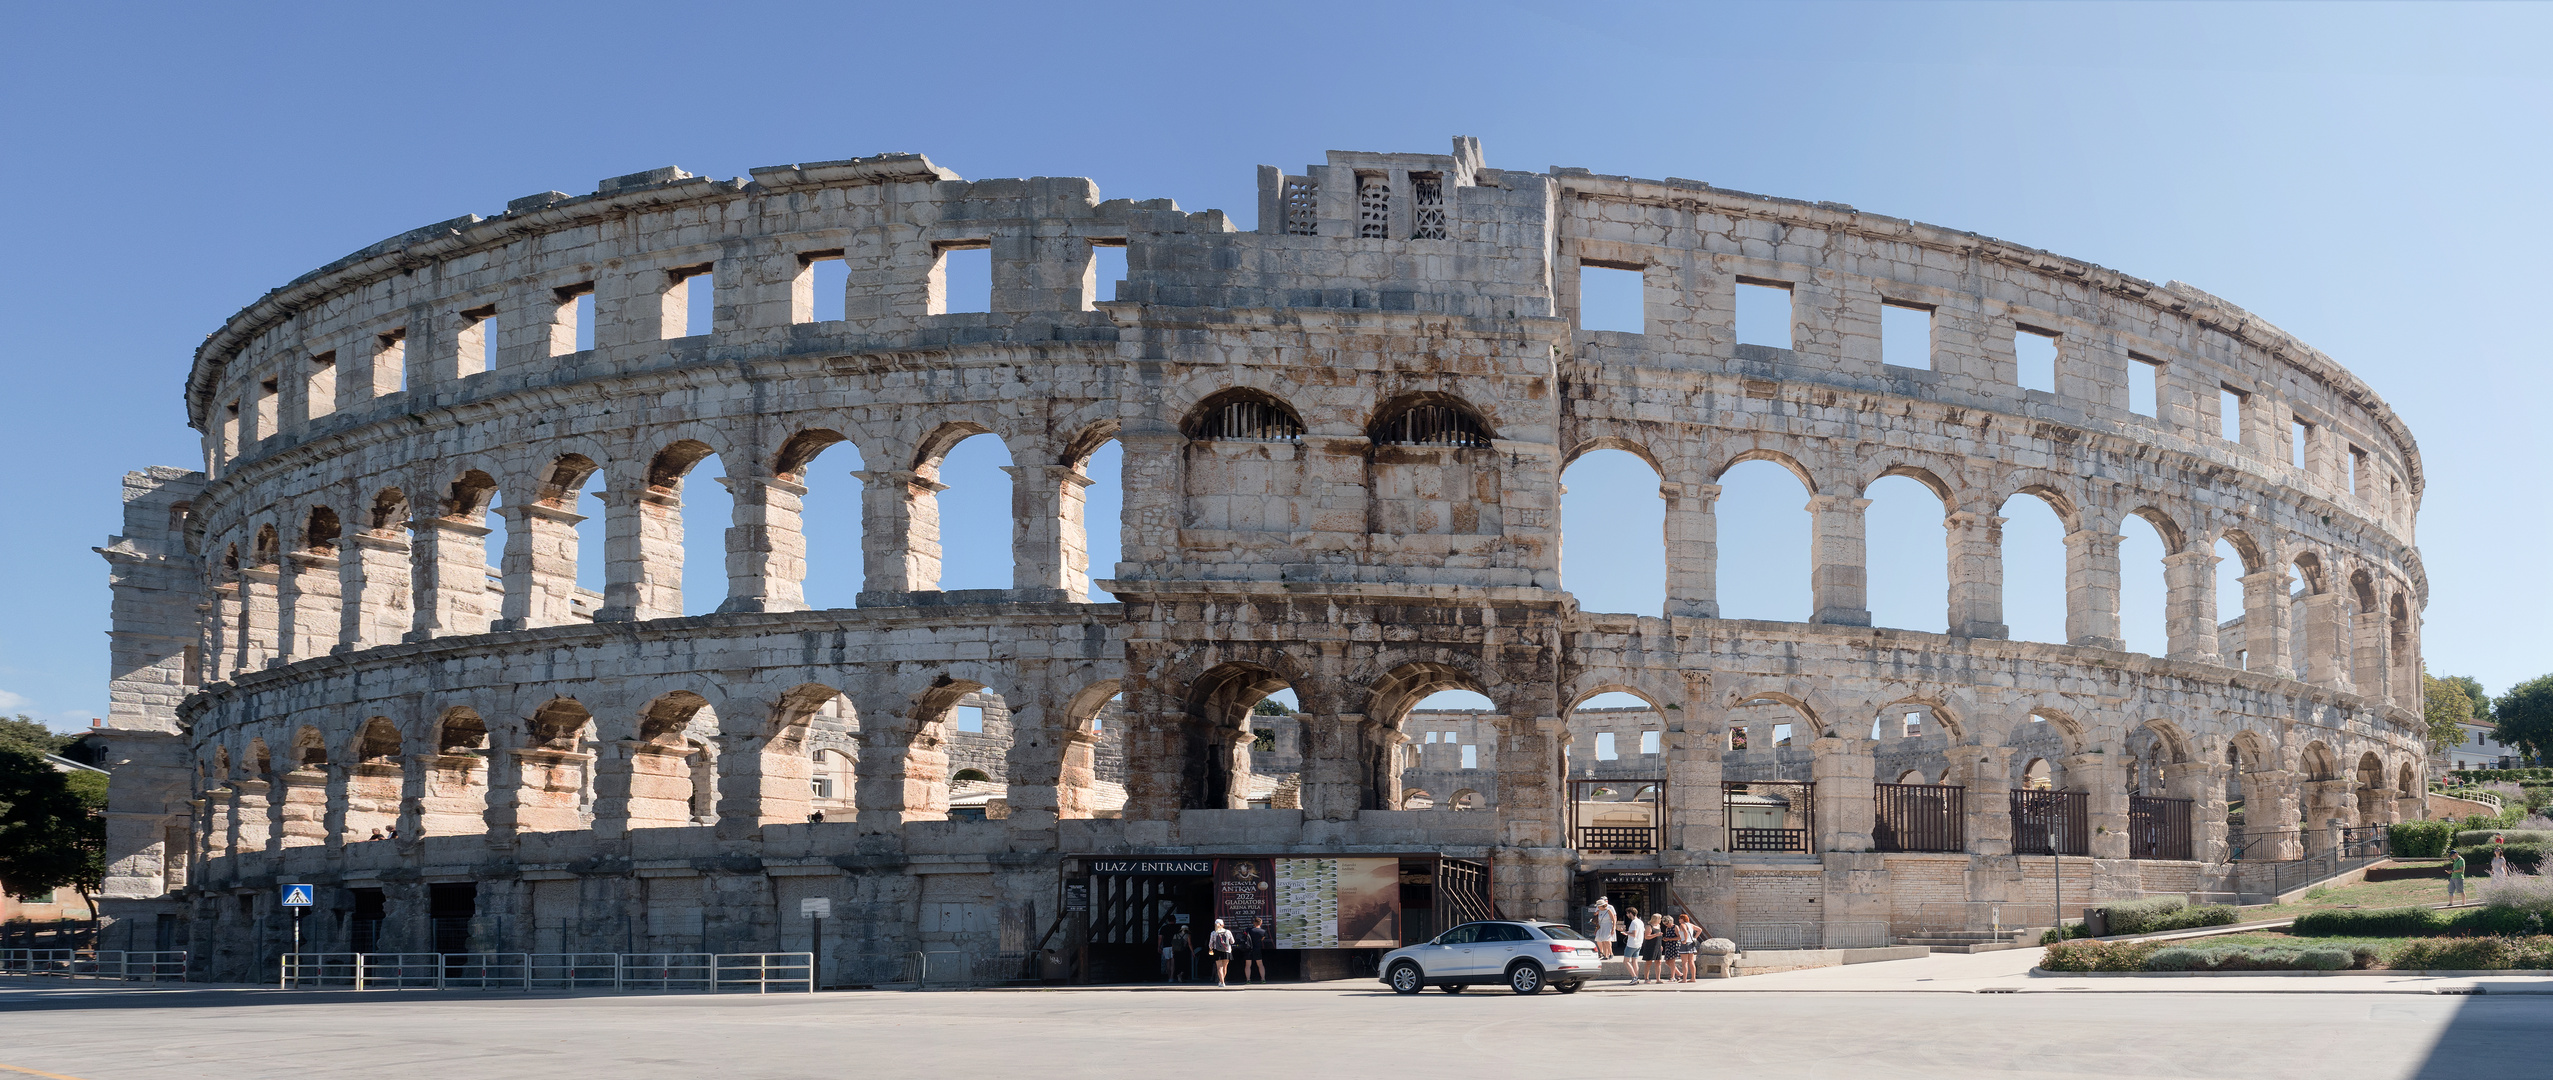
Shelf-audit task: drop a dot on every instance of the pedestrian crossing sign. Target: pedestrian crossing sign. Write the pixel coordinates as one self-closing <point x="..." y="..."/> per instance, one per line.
<point x="296" y="896"/>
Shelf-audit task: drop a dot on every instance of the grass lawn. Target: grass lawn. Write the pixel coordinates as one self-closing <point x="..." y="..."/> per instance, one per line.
<point x="2378" y="894"/>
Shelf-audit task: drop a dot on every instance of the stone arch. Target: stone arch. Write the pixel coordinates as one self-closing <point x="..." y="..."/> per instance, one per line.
<point x="562" y="479"/>
<point x="667" y="468"/>
<point x="1911" y="776"/>
<point x="560" y="724"/>
<point x="1242" y="414"/>
<point x="265" y="550"/>
<point x="801" y="449"/>
<point x="1077" y="793"/>
<point x="1465" y="799"/>
<point x="2407" y="783"/>
<point x="389" y="509"/>
<point x="1417" y="799"/>
<point x="2177" y="745"/>
<point x="1430" y="418"/>
<point x="377" y="740"/>
<point x="1215" y="746"/>
<point x="1635" y="447"/>
<point x="2315" y="761"/>
<point x="2310" y="573"/>
<point x="375" y="781"/>
<point x="320" y="530"/>
<point x="1932" y="481"/>
<point x="669" y="770"/>
<point x="310" y="748"/>
<point x="2250" y="550"/>
<point x="2047" y="488"/>
<point x="2362" y="590"/>
<point x="467" y="497"/>
<point x="2175" y="539"/>
<point x="2072" y="735"/>
<point x="1797" y="469"/>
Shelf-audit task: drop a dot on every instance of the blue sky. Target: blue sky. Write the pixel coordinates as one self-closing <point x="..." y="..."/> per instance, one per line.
<point x="2369" y="177"/>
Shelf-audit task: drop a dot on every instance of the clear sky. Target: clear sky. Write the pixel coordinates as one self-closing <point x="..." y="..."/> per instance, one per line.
<point x="2370" y="178"/>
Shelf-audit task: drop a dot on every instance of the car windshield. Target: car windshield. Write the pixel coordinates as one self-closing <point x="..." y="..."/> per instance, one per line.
<point x="1557" y="932"/>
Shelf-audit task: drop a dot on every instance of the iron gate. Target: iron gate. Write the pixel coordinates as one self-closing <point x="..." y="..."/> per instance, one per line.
<point x="2158" y="828"/>
<point x="1462" y="889"/>
<point x="1920" y="817"/>
<point x="2051" y="823"/>
<point x="1769" y="815"/>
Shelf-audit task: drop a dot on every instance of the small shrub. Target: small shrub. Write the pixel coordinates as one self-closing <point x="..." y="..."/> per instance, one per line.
<point x="2176" y="960"/>
<point x="2098" y="956"/>
<point x="2265" y="957"/>
<point x="2421" y="839"/>
<point x="2143" y="916"/>
<point x="2530" y="892"/>
<point x="2458" y="954"/>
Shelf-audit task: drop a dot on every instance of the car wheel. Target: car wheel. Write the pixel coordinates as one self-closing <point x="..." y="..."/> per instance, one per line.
<point x="1452" y="988"/>
<point x="1525" y="979"/>
<point x="1567" y="987"/>
<point x="1405" y="978"/>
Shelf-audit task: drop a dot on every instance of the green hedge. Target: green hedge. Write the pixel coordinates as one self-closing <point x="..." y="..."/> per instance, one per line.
<point x="2477" y="857"/>
<point x="2099" y="955"/>
<point x="2493" y="776"/>
<point x="2476" y="954"/>
<point x="2416" y="922"/>
<point x="2421" y="839"/>
<point x="2470" y="837"/>
<point x="2262" y="958"/>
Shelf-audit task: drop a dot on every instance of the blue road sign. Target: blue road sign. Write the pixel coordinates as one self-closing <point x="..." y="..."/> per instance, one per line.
<point x="297" y="895"/>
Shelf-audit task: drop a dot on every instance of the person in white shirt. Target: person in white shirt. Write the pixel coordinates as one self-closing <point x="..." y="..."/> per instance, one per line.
<point x="1637" y="933"/>
<point x="1605" y="927"/>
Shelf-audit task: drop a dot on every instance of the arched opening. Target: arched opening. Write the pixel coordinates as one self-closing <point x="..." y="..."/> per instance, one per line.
<point x="562" y="566"/>
<point x="298" y="797"/>
<point x="1244" y="465"/>
<point x="2232" y="566"/>
<point x="803" y="770"/>
<point x="1763" y="519"/>
<point x="2034" y="569"/>
<point x="373" y="785"/>
<point x="469" y="586"/>
<point x="1911" y="776"/>
<point x="1468" y="800"/>
<point x="1243" y="415"/>
<point x="672" y="771"/>
<point x="2372" y="792"/>
<point x="1907" y="539"/>
<point x="456" y="776"/>
<point x="1230" y="711"/>
<point x="1094" y="514"/>
<point x="1417" y="799"/>
<point x="1439" y="697"/>
<point x="558" y="789"/>
<point x="320" y="531"/>
<point x="1430" y="420"/>
<point x="1613" y="534"/>
<point x="2038" y="775"/>
<point x="2143" y="592"/>
<point x="976" y="522"/>
<point x="1430" y="470"/>
<point x="696" y="511"/>
<point x="831" y="515"/>
<point x="831" y="785"/>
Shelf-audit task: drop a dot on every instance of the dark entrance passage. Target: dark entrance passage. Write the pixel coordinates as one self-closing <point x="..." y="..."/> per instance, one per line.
<point x="1129" y="913"/>
<point x="451" y="907"/>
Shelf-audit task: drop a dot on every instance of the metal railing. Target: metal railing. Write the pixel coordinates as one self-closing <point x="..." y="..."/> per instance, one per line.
<point x="1619" y="839"/>
<point x="664" y="973"/>
<point x="2159" y="828"/>
<point x="1919" y="817"/>
<point x="168" y="966"/>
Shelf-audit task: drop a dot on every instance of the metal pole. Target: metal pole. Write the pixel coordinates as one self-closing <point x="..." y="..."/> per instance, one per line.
<point x="815" y="970"/>
<point x="297" y="914"/>
<point x="2056" y="857"/>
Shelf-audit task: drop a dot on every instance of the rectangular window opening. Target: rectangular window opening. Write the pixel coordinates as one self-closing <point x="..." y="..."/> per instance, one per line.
<point x="390" y="362"/>
<point x="230" y="431"/>
<point x="1650" y="741"/>
<point x="1471" y="756"/>
<point x="823" y="287"/>
<point x="478" y="340"/>
<point x="1427" y="206"/>
<point x="970" y="718"/>
<point x="319" y="391"/>
<point x="573" y="331"/>
<point x="2358" y="476"/>
<point x="1764" y="313"/>
<point x="1612" y="296"/>
<point x="1604" y="746"/>
<point x="2145" y="386"/>
<point x="2035" y="350"/>
<point x="2300" y="443"/>
<point x="1107" y="269"/>
<point x="1781" y="735"/>
<point x="1905" y="335"/>
<point x="1431" y="737"/>
<point x="965" y="273"/>
<point x="700" y="303"/>
<point x="1373" y="205"/>
<point x="2229" y="414"/>
<point x="267" y="396"/>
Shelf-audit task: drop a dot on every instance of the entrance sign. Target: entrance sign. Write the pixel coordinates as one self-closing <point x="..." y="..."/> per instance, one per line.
<point x="1156" y="867"/>
<point x="816" y="907"/>
<point x="1076" y="896"/>
<point x="297" y="895"/>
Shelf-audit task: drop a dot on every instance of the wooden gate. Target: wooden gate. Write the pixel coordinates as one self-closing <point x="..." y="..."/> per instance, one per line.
<point x="1920" y="817"/>
<point x="2158" y="828"/>
<point x="2051" y="823"/>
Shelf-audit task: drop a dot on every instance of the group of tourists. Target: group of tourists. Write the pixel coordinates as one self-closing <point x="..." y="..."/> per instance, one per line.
<point x="1182" y="960"/>
<point x="2455" y="867"/>
<point x="1655" y="948"/>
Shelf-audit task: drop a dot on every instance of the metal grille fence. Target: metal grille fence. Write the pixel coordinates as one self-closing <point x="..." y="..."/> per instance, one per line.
<point x="1920" y="817"/>
<point x="1798" y="813"/>
<point x="2051" y="823"/>
<point x="664" y="973"/>
<point x="83" y="964"/>
<point x="2158" y="828"/>
<point x="1630" y="839"/>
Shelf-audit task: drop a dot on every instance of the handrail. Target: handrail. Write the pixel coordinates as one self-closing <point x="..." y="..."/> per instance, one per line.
<point x="695" y="973"/>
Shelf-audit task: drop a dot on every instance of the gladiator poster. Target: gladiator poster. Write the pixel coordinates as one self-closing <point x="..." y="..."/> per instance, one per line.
<point x="1244" y="889"/>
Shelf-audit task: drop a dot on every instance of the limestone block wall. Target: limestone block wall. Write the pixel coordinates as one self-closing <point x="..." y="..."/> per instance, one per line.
<point x="1342" y="433"/>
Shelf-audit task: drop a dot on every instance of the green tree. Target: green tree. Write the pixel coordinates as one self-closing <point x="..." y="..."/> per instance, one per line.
<point x="51" y="833"/>
<point x="2446" y="708"/>
<point x="2524" y="716"/>
<point x="2472" y="692"/>
<point x="26" y="736"/>
<point x="1270" y="707"/>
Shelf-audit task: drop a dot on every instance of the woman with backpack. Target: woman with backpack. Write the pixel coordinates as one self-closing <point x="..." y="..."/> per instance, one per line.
<point x="1219" y="949"/>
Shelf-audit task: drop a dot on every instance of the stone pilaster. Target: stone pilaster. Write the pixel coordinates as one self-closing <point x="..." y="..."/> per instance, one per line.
<point x="451" y="578"/>
<point x="2092" y="589"/>
<point x="1693" y="550"/>
<point x="372" y="579"/>
<point x="2189" y="615"/>
<point x="540" y="566"/>
<point x="2265" y="624"/>
<point x="1050" y="543"/>
<point x="762" y="782"/>
<point x="1985" y="772"/>
<point x="2324" y="657"/>
<point x="767" y="546"/>
<point x="1842" y="770"/>
<point x="2203" y="784"/>
<point x="1976" y="575"/>
<point x="642" y="555"/>
<point x="259" y="617"/>
<point x="309" y="604"/>
<point x="900" y="524"/>
<point x="2099" y="776"/>
<point x="1838" y="561"/>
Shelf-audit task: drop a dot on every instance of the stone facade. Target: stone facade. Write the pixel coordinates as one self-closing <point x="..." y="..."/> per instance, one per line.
<point x="1342" y="437"/>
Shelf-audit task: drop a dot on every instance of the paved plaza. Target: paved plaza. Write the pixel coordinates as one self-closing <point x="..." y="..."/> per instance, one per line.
<point x="1923" y="1018"/>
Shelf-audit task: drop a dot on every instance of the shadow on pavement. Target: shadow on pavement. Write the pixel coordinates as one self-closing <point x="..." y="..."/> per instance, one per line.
<point x="2495" y="1032"/>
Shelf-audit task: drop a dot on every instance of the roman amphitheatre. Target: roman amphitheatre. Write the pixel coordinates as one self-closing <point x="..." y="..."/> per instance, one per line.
<point x="1341" y="436"/>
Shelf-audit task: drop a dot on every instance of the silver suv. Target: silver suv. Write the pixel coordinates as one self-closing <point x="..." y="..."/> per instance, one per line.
<point x="1525" y="956"/>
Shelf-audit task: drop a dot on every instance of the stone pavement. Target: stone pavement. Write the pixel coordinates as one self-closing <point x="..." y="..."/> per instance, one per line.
<point x="2011" y="971"/>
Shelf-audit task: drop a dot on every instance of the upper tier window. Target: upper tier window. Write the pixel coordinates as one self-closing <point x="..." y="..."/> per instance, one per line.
<point x="1244" y="416"/>
<point x="1433" y="424"/>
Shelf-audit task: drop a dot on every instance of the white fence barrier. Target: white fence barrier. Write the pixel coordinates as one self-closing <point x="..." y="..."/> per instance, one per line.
<point x="85" y="964"/>
<point x="664" y="973"/>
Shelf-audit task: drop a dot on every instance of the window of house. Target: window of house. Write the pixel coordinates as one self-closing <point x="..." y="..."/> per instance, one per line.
<point x="390" y="362"/>
<point x="970" y="718"/>
<point x="1107" y="269"/>
<point x="574" y="331"/>
<point x="1651" y="741"/>
<point x="2229" y="413"/>
<point x="1471" y="756"/>
<point x="2300" y="442"/>
<point x="478" y="340"/>
<point x="267" y="397"/>
<point x="1604" y="746"/>
<point x="965" y="284"/>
